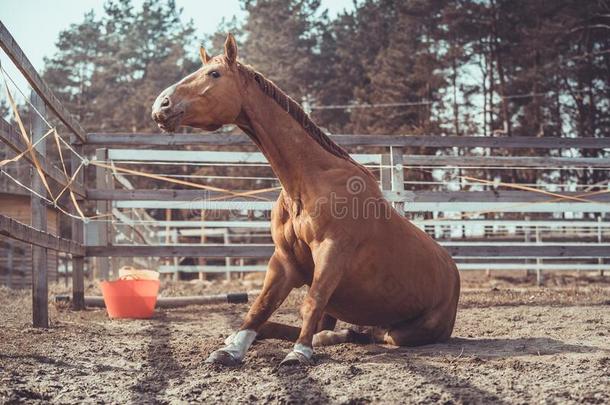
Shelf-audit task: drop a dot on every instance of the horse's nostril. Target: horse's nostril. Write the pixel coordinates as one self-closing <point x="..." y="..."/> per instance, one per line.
<point x="165" y="103"/>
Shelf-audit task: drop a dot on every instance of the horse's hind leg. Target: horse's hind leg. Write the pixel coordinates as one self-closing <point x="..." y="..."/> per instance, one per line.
<point x="423" y="330"/>
<point x="274" y="330"/>
<point x="426" y="329"/>
<point x="351" y="335"/>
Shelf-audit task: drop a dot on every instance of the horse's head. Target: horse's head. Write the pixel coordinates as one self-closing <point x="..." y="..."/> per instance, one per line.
<point x="208" y="98"/>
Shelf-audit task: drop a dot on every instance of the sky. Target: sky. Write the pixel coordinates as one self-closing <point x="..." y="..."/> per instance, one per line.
<point x="36" y="24"/>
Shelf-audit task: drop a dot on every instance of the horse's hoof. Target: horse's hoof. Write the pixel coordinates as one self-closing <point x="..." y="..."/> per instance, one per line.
<point x="223" y="358"/>
<point x="296" y="359"/>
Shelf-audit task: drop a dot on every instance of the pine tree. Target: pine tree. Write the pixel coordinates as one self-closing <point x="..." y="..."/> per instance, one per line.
<point x="282" y="41"/>
<point x="108" y="70"/>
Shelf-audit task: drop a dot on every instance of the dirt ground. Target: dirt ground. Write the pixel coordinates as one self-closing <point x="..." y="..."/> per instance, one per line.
<point x="513" y="343"/>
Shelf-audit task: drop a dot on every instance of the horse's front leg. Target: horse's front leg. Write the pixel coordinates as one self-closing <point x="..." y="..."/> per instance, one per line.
<point x="329" y="259"/>
<point x="280" y="279"/>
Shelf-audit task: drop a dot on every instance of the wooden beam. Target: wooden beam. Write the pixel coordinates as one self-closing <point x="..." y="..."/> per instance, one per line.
<point x="398" y="177"/>
<point x="385" y="173"/>
<point x="461" y="266"/>
<point x="103" y="180"/>
<point x="25" y="233"/>
<point x="432" y="141"/>
<point x="12" y="49"/>
<point x="436" y="141"/>
<point x="504" y="161"/>
<point x="78" y="261"/>
<point x="209" y="251"/>
<point x="459" y="206"/>
<point x="10" y="137"/>
<point x="40" y="271"/>
<point x="165" y="195"/>
<point x="97" y="194"/>
<point x="537" y="251"/>
<point x="236" y="157"/>
<point x="266" y="225"/>
<point x="265" y="251"/>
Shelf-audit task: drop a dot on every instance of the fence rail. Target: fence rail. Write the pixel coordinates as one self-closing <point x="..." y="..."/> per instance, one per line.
<point x="430" y="141"/>
<point x="25" y="233"/>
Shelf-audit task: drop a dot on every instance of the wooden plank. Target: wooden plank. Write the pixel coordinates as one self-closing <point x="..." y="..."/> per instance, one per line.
<point x="256" y="224"/>
<point x="40" y="288"/>
<point x="12" y="49"/>
<point x="265" y="251"/>
<point x="385" y="172"/>
<point x="237" y="157"/>
<point x="363" y="158"/>
<point x="461" y="267"/>
<point x="78" y="261"/>
<point x="209" y="251"/>
<point x="10" y="137"/>
<point x="398" y="177"/>
<point x="215" y="269"/>
<point x="499" y="196"/>
<point x="166" y="195"/>
<point x="406" y="196"/>
<point x="536" y="251"/>
<point x="436" y="141"/>
<point x="433" y="141"/>
<point x="452" y="206"/>
<point x="25" y="233"/>
<point x="504" y="161"/>
<point x="103" y="179"/>
<point x="533" y="266"/>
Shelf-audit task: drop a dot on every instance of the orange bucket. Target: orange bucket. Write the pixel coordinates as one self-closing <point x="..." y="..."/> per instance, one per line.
<point x="134" y="299"/>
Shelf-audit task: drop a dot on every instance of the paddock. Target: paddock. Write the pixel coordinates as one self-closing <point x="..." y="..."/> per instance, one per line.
<point x="513" y="344"/>
<point x="533" y="320"/>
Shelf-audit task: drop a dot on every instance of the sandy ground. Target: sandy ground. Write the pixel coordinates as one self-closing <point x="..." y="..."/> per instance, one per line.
<point x="513" y="343"/>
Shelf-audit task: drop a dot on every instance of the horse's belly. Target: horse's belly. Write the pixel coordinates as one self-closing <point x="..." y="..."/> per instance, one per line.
<point x="383" y="290"/>
<point x="364" y="306"/>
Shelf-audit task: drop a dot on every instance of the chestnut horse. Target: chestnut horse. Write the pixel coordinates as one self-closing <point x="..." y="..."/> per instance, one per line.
<point x="364" y="263"/>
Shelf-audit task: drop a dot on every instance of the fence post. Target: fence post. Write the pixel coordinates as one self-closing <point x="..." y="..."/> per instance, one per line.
<point x="9" y="263"/>
<point x="600" y="239"/>
<point x="386" y="172"/>
<point x="539" y="277"/>
<point x="78" y="262"/>
<point x="227" y="259"/>
<point x="398" y="176"/>
<point x="103" y="207"/>
<point x="202" y="240"/>
<point x="40" y="288"/>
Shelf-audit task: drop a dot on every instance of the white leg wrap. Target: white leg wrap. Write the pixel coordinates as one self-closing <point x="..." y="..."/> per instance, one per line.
<point x="239" y="342"/>
<point x="306" y="351"/>
<point x="229" y="338"/>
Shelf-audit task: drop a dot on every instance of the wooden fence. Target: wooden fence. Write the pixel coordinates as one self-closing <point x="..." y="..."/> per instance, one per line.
<point x="150" y="237"/>
<point x="537" y="250"/>
<point x="43" y="100"/>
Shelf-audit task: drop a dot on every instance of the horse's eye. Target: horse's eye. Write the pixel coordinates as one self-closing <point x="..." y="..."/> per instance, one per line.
<point x="214" y="74"/>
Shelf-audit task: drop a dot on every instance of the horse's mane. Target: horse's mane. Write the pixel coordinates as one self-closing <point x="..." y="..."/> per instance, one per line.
<point x="296" y="111"/>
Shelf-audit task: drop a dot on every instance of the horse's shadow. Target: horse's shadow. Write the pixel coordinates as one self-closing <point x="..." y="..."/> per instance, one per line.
<point x="430" y="361"/>
<point x="485" y="348"/>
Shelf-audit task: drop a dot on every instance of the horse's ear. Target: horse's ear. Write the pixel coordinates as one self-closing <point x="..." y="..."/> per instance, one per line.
<point x="231" y="48"/>
<point x="205" y="58"/>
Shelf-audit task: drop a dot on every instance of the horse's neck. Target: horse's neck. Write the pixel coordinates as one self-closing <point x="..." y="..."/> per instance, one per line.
<point x="295" y="157"/>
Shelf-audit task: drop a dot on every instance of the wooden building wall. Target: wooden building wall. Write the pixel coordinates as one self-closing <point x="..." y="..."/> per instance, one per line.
<point x="19" y="275"/>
